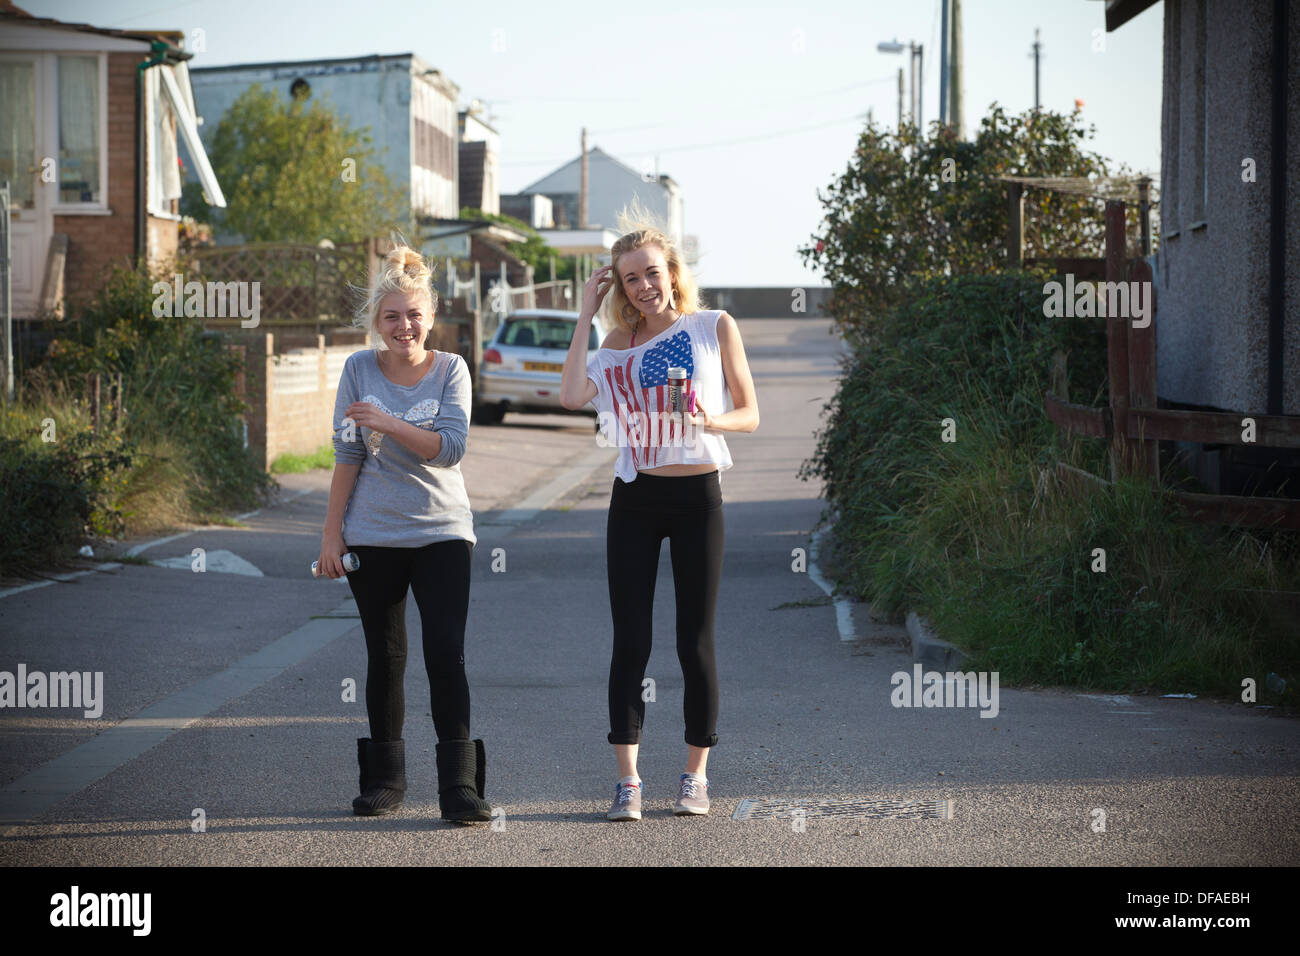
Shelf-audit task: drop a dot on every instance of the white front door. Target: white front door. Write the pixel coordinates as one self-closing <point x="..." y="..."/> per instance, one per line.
<point x="22" y="113"/>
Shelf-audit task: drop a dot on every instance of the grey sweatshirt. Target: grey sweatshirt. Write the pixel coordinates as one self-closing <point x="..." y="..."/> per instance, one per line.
<point x="401" y="500"/>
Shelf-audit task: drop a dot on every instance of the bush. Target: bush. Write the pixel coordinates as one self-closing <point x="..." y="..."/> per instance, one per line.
<point x="56" y="494"/>
<point x="179" y="385"/>
<point x="978" y="535"/>
<point x="910" y="206"/>
<point x="176" y="455"/>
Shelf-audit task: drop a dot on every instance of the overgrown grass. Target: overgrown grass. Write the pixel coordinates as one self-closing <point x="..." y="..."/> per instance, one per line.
<point x="978" y="535"/>
<point x="174" y="455"/>
<point x="322" y="457"/>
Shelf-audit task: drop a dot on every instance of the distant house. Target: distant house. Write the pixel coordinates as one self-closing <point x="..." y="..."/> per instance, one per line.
<point x="89" y="119"/>
<point x="1228" y="318"/>
<point x="408" y="107"/>
<point x="611" y="185"/>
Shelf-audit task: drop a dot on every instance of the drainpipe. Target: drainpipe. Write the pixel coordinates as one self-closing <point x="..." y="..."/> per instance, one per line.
<point x="1277" y="209"/>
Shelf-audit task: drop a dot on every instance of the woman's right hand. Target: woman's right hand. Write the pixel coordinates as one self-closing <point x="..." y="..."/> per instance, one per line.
<point x="598" y="286"/>
<point x="332" y="549"/>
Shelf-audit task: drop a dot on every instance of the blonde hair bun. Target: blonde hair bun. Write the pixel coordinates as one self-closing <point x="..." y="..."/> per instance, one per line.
<point x="408" y="262"/>
<point x="403" y="270"/>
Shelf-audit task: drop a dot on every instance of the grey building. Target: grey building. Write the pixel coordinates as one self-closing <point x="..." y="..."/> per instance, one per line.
<point x="1227" y="315"/>
<point x="409" y="108"/>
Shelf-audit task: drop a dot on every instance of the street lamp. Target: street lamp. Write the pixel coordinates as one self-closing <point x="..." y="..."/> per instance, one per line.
<point x="918" y="63"/>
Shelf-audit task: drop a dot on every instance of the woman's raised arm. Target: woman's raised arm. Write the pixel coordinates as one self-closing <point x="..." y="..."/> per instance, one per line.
<point x="576" y="389"/>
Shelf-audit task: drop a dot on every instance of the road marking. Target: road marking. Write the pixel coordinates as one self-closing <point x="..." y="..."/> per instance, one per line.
<point x="843" y="609"/>
<point x="221" y="560"/>
<point x="31" y="795"/>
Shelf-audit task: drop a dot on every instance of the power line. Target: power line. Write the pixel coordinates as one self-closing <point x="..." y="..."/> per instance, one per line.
<point x="762" y="106"/>
<point x="857" y="117"/>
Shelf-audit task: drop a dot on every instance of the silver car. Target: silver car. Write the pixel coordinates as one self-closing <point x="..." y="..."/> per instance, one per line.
<point x="523" y="363"/>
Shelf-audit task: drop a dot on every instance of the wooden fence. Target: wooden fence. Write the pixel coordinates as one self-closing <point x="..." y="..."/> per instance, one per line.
<point x="1135" y="426"/>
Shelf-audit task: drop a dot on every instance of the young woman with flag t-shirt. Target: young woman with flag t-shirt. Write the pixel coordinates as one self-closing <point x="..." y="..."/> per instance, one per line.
<point x="660" y="382"/>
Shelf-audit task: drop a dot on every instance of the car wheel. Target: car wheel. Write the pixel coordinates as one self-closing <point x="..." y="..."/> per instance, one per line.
<point x="489" y="414"/>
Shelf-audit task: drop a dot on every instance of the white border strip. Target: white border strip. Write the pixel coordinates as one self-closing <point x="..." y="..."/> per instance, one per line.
<point x="843" y="608"/>
<point x="60" y="578"/>
<point x="138" y="549"/>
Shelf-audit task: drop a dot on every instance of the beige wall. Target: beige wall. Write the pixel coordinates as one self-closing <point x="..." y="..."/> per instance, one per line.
<point x="291" y="397"/>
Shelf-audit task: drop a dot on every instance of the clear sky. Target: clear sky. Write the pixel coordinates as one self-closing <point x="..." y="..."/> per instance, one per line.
<point x="750" y="105"/>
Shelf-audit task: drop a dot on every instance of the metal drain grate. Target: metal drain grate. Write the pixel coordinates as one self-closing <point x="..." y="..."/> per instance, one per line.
<point x="749" y="809"/>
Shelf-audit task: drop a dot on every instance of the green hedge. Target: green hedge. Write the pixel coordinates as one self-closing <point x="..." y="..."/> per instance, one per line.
<point x="977" y="534"/>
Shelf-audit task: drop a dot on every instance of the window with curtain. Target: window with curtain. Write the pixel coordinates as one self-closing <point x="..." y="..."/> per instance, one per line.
<point x="18" y="132"/>
<point x="79" y="130"/>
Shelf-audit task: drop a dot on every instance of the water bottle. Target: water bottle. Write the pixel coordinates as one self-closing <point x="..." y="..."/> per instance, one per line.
<point x="350" y="563"/>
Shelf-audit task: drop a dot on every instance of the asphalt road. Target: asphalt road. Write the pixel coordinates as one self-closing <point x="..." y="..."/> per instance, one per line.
<point x="223" y="700"/>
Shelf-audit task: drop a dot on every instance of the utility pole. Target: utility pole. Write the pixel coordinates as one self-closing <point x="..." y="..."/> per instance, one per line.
<point x="900" y="97"/>
<point x="918" y="68"/>
<point x="943" y="65"/>
<point x="954" y="71"/>
<point x="582" y="188"/>
<point x="1037" y="47"/>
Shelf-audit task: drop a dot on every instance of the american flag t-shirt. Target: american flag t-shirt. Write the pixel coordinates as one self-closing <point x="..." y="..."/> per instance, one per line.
<point x="643" y="403"/>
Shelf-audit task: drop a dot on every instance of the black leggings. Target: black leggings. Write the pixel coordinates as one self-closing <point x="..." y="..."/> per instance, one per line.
<point x="438" y="573"/>
<point x="688" y="511"/>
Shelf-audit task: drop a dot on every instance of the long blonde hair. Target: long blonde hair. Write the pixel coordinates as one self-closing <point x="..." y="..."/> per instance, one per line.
<point x="403" y="270"/>
<point x="639" y="227"/>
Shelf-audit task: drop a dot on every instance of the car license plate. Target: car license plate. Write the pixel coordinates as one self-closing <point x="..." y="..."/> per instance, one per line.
<point x="543" y="367"/>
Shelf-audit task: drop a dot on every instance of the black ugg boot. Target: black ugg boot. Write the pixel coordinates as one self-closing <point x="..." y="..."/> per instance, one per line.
<point x="383" y="776"/>
<point x="461" y="771"/>
<point x="480" y="771"/>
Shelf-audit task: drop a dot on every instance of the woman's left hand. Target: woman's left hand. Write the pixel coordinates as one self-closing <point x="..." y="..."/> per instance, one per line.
<point x="700" y="418"/>
<point x="364" y="413"/>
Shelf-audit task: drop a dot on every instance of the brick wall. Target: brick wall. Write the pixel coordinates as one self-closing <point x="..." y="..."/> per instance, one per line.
<point x="291" y="396"/>
<point x="97" y="242"/>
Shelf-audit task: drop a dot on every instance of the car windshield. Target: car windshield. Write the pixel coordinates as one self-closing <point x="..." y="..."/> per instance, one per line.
<point x="542" y="332"/>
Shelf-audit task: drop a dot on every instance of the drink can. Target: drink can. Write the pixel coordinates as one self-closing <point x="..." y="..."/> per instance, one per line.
<point x="350" y="563"/>
<point x="676" y="383"/>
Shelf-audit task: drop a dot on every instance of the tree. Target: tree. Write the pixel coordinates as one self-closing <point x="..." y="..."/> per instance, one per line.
<point x="909" y="208"/>
<point x="292" y="172"/>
